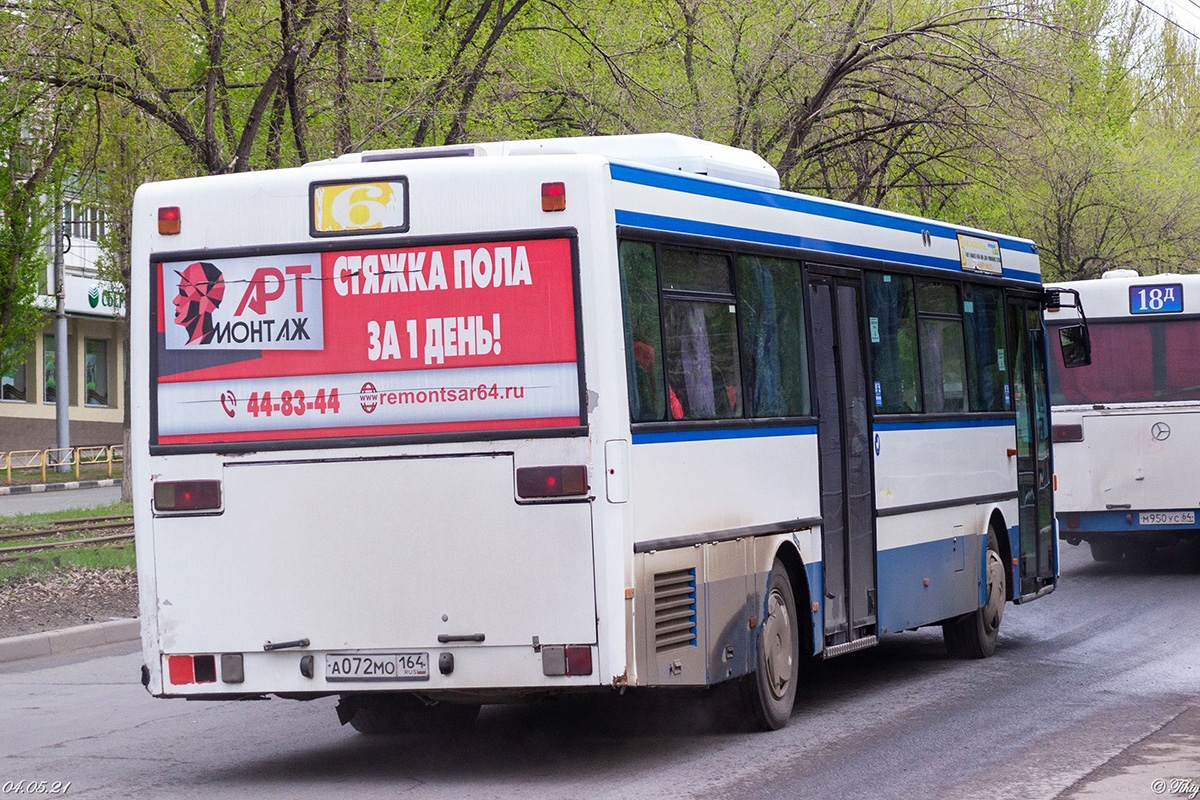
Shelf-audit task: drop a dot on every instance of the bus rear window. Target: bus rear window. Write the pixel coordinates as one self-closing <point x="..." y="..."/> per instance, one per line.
<point x="371" y="342"/>
<point x="1132" y="362"/>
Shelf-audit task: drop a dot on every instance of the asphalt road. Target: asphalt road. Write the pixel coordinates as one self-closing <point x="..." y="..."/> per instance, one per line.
<point x="1082" y="679"/>
<point x="13" y="504"/>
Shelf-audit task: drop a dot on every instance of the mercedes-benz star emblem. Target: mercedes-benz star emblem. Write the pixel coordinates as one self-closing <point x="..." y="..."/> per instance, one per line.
<point x="1160" y="431"/>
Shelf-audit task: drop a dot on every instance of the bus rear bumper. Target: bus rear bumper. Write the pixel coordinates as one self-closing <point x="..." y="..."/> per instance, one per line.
<point x="464" y="671"/>
<point x="1076" y="526"/>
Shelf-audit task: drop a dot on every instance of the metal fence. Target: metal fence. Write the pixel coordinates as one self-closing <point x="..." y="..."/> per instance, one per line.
<point x="63" y="459"/>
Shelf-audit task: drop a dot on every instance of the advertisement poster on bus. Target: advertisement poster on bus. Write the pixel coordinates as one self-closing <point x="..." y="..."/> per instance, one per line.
<point x="367" y="342"/>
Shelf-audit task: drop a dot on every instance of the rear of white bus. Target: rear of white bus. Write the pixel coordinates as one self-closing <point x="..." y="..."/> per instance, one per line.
<point x="366" y="453"/>
<point x="1127" y="427"/>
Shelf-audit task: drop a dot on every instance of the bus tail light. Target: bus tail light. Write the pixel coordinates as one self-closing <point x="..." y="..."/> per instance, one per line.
<point x="568" y="660"/>
<point x="181" y="497"/>
<point x="168" y="220"/>
<point x="1072" y="520"/>
<point x="1067" y="433"/>
<point x="536" y="482"/>
<point x="182" y="670"/>
<point x="554" y="196"/>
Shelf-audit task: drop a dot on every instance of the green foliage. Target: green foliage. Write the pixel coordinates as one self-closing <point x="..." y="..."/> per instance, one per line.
<point x="1069" y="121"/>
<point x="25" y="214"/>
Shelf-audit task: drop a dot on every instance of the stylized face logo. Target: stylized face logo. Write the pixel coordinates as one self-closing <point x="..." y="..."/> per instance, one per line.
<point x="201" y="290"/>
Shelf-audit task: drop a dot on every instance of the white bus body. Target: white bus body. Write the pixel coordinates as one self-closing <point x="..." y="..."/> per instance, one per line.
<point x="394" y="544"/>
<point x="1126" y="427"/>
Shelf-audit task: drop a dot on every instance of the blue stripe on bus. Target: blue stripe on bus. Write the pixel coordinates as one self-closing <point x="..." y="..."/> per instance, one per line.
<point x="636" y="219"/>
<point x="679" y="182"/>
<point x="1114" y="522"/>
<point x="904" y="599"/>
<point x="816" y="594"/>
<point x="721" y="433"/>
<point x="936" y="424"/>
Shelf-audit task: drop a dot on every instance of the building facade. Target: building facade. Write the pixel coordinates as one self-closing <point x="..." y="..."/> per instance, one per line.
<point x="95" y="347"/>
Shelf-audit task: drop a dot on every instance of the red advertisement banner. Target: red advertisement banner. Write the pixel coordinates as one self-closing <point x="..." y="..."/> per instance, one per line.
<point x="455" y="336"/>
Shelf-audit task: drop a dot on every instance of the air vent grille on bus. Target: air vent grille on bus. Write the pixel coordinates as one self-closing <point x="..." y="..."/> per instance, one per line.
<point x="674" y="609"/>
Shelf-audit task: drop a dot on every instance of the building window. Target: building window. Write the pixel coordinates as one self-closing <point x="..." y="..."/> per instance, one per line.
<point x="13" y="383"/>
<point x="49" y="377"/>
<point x="95" y="366"/>
<point x="84" y="222"/>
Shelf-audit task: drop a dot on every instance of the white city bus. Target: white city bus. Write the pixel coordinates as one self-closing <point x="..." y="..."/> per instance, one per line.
<point x="432" y="428"/>
<point x="1127" y="428"/>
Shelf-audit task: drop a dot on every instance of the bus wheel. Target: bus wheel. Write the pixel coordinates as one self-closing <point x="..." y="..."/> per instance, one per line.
<point x="1105" y="550"/>
<point x="974" y="635"/>
<point x="771" y="690"/>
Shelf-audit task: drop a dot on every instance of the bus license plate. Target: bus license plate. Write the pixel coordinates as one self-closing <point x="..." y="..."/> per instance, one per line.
<point x="377" y="666"/>
<point x="1166" y="518"/>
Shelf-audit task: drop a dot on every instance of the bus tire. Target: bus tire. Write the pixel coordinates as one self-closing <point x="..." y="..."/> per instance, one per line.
<point x="1106" y="550"/>
<point x="974" y="635"/>
<point x="771" y="689"/>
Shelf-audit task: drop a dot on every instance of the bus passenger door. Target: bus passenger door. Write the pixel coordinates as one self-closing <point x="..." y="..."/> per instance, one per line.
<point x="1035" y="477"/>
<point x="843" y="433"/>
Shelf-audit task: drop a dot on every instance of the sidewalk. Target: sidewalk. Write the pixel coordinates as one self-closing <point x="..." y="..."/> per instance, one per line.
<point x="1164" y="764"/>
<point x="19" y="648"/>
<point x="34" y="488"/>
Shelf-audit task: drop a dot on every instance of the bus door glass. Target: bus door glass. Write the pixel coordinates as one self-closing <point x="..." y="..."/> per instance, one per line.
<point x="848" y="530"/>
<point x="1034" y="470"/>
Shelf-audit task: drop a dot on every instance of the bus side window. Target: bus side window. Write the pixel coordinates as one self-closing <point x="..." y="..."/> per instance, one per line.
<point x="943" y="360"/>
<point x="892" y="316"/>
<point x="771" y="301"/>
<point x="987" y="356"/>
<point x="700" y="324"/>
<point x="643" y="337"/>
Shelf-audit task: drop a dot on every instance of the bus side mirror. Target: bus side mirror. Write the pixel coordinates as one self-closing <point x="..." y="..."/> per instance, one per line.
<point x="1076" y="345"/>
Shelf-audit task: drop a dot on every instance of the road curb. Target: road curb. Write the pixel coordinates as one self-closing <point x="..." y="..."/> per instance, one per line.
<point x="36" y="488"/>
<point x="49" y="643"/>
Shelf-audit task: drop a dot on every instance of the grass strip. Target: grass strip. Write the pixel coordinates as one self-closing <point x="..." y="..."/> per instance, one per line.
<point x="12" y="524"/>
<point x="45" y="564"/>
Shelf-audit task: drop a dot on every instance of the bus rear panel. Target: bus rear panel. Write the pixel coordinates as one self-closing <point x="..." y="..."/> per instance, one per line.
<point x="370" y="462"/>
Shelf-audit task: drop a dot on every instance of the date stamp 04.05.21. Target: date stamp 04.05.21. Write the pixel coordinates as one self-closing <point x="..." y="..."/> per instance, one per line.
<point x="34" y="787"/>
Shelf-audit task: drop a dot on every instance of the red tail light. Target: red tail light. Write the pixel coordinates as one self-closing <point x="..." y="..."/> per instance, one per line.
<point x="168" y="220"/>
<point x="579" y="660"/>
<point x="182" y="670"/>
<point x="1067" y="433"/>
<point x="184" y="496"/>
<point x="533" y="482"/>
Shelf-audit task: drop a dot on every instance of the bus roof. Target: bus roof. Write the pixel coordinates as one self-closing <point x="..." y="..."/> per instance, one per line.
<point x="1109" y="295"/>
<point x="664" y="150"/>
